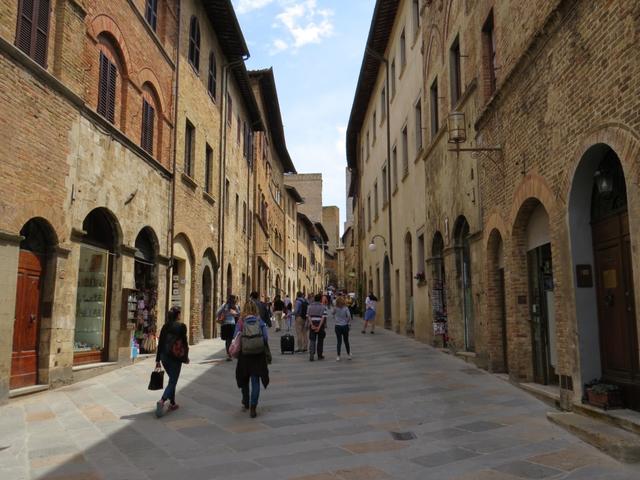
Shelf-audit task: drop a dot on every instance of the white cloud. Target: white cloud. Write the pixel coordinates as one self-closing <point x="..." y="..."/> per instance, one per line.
<point x="246" y="6"/>
<point x="305" y="22"/>
<point x="278" y="46"/>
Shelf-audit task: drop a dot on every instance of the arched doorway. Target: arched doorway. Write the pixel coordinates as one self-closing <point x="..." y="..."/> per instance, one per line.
<point x="496" y="308"/>
<point x="146" y="294"/>
<point x="182" y="276"/>
<point x="208" y="294"/>
<point x="463" y="270"/>
<point x="95" y="282"/>
<point x="600" y="236"/>
<point x="229" y="280"/>
<point x="439" y="289"/>
<point x="408" y="282"/>
<point x="386" y="282"/>
<point x="34" y="286"/>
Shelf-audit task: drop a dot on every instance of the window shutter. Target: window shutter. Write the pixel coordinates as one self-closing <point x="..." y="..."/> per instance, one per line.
<point x="107" y="88"/>
<point x="111" y="110"/>
<point x="33" y="29"/>
<point x="41" y="32"/>
<point x="25" y="26"/>
<point x="148" y="114"/>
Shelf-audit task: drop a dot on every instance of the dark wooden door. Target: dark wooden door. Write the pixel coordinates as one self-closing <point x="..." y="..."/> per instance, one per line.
<point x="24" y="360"/>
<point x="616" y="310"/>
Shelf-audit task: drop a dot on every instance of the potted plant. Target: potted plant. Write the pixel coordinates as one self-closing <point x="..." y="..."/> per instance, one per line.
<point x="603" y="395"/>
<point x="420" y="277"/>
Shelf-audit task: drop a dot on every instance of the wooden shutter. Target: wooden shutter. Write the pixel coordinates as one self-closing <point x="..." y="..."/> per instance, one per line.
<point x="148" y="114"/>
<point x="33" y="29"/>
<point x="107" y="88"/>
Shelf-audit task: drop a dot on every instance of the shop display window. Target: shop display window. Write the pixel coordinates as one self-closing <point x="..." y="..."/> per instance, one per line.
<point x="91" y="300"/>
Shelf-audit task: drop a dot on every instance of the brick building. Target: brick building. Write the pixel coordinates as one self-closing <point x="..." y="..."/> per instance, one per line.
<point x="87" y="101"/>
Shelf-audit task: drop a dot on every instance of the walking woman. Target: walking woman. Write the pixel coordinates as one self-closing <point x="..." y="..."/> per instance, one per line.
<point x="370" y="312"/>
<point x="278" y="311"/>
<point x="342" y="317"/>
<point x="252" y="361"/>
<point x="228" y="315"/>
<point x="173" y="351"/>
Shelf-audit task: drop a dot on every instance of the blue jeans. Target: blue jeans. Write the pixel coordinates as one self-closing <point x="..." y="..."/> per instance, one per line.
<point x="255" y="392"/>
<point x="172" y="367"/>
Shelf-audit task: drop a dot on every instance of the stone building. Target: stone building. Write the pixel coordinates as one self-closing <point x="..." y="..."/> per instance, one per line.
<point x="87" y="101"/>
<point x="384" y="148"/>
<point x="270" y="199"/>
<point x="292" y="201"/>
<point x="309" y="185"/>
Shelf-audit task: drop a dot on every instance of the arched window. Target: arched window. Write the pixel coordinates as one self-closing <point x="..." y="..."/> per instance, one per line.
<point x="151" y="13"/>
<point x="107" y="82"/>
<point x="213" y="75"/>
<point x="33" y="29"/>
<point x="194" y="43"/>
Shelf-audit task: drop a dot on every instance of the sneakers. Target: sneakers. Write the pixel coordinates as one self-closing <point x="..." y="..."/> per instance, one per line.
<point x="253" y="413"/>
<point x="338" y="358"/>
<point x="173" y="407"/>
<point x="159" y="408"/>
<point x="349" y="356"/>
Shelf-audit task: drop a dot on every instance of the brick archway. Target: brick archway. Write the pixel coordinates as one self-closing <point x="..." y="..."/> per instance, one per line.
<point x="105" y="24"/>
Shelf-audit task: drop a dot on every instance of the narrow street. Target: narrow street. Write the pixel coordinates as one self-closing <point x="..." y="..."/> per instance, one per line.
<point x="320" y="420"/>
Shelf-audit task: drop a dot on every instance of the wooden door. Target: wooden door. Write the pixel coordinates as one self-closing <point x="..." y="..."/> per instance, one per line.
<point x="24" y="360"/>
<point x="616" y="312"/>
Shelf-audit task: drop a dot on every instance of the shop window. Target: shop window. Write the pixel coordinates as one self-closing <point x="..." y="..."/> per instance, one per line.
<point x="189" y="148"/>
<point x="107" y="87"/>
<point x="148" y="115"/>
<point x="194" y="43"/>
<point x="454" y="72"/>
<point x="143" y="301"/>
<point x="213" y="75"/>
<point x="32" y="36"/>
<point x="151" y="13"/>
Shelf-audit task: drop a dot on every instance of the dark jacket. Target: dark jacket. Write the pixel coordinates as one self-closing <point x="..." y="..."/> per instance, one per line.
<point x="176" y="330"/>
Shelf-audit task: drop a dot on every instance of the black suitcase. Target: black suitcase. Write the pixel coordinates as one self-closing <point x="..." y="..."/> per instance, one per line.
<point x="287" y="343"/>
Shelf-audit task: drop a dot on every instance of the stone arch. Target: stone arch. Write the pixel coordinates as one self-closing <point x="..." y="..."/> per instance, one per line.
<point x="105" y="25"/>
<point x="495" y="222"/>
<point x="532" y="186"/>
<point x="148" y="76"/>
<point x="452" y="12"/>
<point x="435" y="51"/>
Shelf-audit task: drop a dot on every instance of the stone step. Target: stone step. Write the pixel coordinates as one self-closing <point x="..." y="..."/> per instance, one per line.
<point x="620" y="444"/>
<point x="548" y="394"/>
<point x="623" y="418"/>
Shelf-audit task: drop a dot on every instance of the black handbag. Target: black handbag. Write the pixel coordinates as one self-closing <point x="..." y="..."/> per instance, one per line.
<point x="157" y="380"/>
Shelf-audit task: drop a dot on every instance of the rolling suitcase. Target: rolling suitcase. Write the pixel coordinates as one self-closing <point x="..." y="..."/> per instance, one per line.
<point x="287" y="343"/>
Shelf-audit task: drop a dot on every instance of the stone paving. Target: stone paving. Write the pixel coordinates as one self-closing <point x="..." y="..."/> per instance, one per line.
<point x="399" y="409"/>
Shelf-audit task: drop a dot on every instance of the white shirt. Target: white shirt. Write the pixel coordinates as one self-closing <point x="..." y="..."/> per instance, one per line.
<point x="370" y="304"/>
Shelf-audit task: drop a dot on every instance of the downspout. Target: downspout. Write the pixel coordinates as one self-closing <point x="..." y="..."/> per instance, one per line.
<point x="172" y="210"/>
<point x="251" y="174"/>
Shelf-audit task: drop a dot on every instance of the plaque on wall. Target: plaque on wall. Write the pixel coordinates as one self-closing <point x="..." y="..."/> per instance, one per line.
<point x="584" y="276"/>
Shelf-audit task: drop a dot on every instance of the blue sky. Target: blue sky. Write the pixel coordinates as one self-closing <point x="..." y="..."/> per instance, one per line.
<point x="315" y="48"/>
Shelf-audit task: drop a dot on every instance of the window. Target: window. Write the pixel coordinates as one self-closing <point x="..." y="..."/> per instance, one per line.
<point x="375" y="124"/>
<point x="375" y="199"/>
<point x="405" y="152"/>
<point x="148" y="113"/>
<point x="403" y="51"/>
<point x="33" y="29"/>
<point x="244" y="217"/>
<point x="433" y="93"/>
<point x="394" y="156"/>
<point x="208" y="165"/>
<point x="194" y="44"/>
<point x="383" y="104"/>
<point x="454" y="72"/>
<point x="489" y="54"/>
<point x="418" y="119"/>
<point x="385" y="193"/>
<point x="151" y="13"/>
<point x="415" y="9"/>
<point x="369" y="210"/>
<point x="421" y="259"/>
<point x="237" y="211"/>
<point x="189" y="148"/>
<point x="226" y="196"/>
<point x="368" y="151"/>
<point x="213" y="75"/>
<point x="229" y="108"/>
<point x="107" y="88"/>
<point x="238" y="129"/>
<point x="393" y="78"/>
<point x="250" y="225"/>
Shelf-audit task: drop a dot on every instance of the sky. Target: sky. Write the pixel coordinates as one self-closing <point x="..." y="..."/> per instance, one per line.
<point x="315" y="48"/>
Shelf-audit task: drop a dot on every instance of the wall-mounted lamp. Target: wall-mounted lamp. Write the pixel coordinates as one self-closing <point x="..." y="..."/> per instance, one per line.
<point x="604" y="182"/>
<point x="372" y="245"/>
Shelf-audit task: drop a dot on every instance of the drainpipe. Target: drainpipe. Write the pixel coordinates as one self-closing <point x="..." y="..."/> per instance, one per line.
<point x="172" y="212"/>
<point x="381" y="59"/>
<point x="223" y="164"/>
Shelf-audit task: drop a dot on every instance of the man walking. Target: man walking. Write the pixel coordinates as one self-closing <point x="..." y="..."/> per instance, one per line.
<point x="300" y="314"/>
<point x="317" y="313"/>
<point x="263" y="310"/>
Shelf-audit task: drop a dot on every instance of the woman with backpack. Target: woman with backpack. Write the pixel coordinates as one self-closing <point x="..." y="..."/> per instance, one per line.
<point x="370" y="312"/>
<point x="228" y="315"/>
<point x="252" y="360"/>
<point x="342" y="317"/>
<point x="173" y="351"/>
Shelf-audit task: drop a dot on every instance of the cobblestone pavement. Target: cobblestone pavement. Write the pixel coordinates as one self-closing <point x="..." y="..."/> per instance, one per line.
<point x="317" y="421"/>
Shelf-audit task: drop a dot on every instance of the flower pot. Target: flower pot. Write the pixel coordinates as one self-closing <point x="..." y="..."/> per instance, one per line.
<point x="604" y="400"/>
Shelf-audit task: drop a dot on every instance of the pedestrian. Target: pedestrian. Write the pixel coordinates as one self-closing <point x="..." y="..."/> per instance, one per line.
<point x="342" y="317"/>
<point x="252" y="360"/>
<point x="278" y="311"/>
<point x="370" y="313"/>
<point x="263" y="310"/>
<point x="288" y="311"/>
<point x="317" y="314"/>
<point x="228" y="315"/>
<point x="300" y="314"/>
<point x="173" y="351"/>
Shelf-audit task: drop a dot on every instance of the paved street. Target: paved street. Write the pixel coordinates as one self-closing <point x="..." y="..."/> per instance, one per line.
<point x="317" y="421"/>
